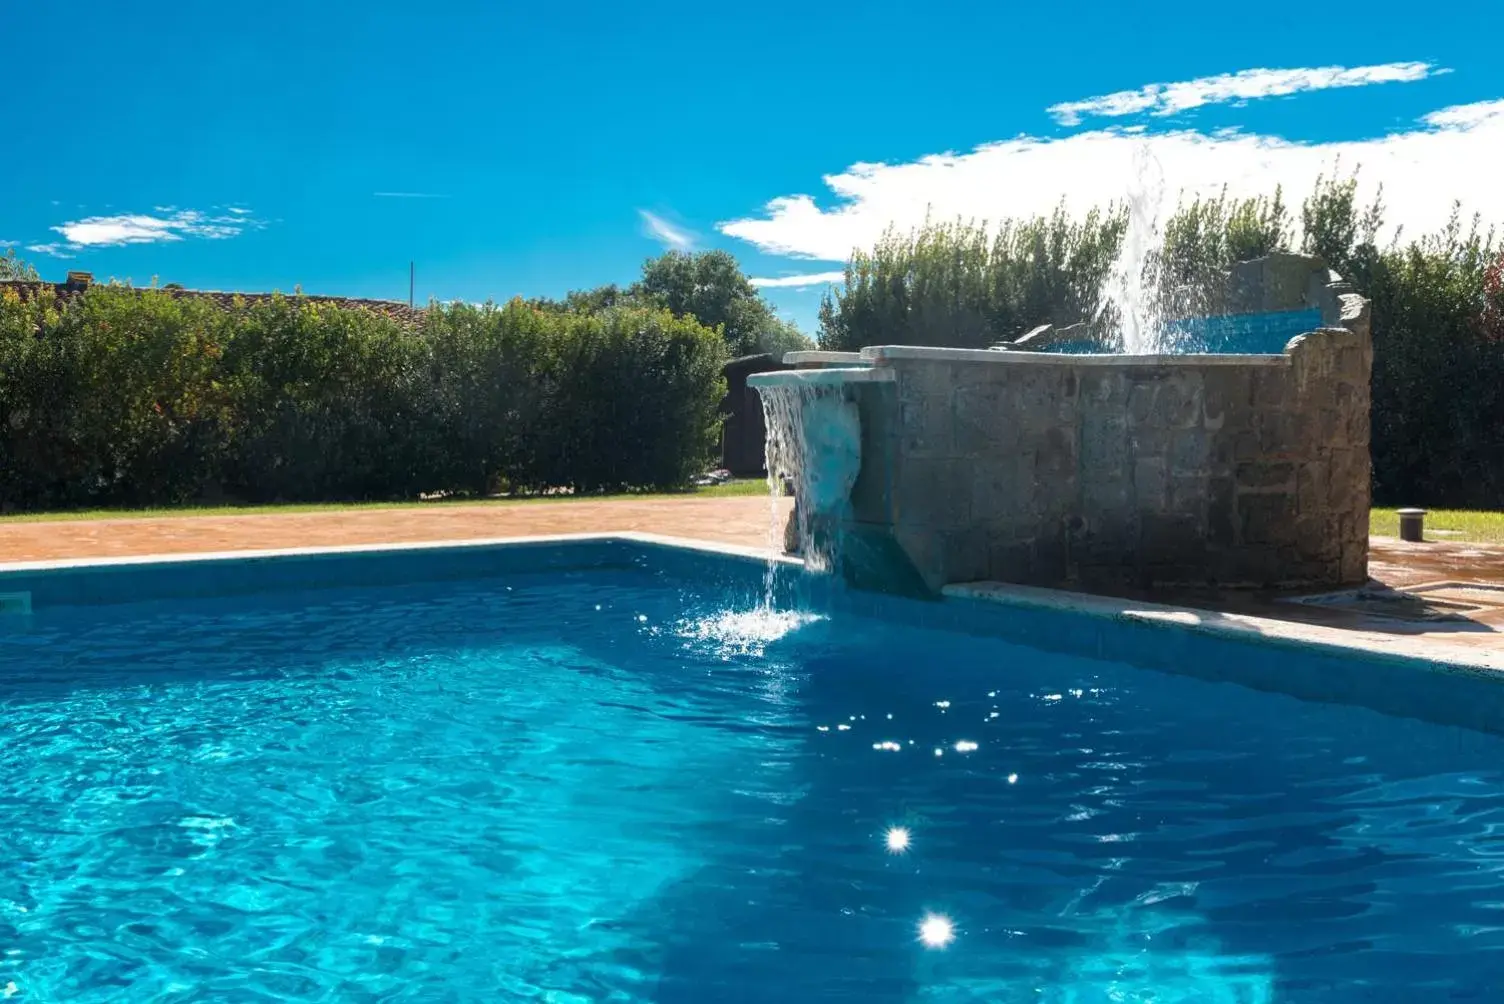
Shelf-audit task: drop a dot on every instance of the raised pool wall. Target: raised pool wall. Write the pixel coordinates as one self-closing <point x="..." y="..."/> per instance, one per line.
<point x="1113" y="472"/>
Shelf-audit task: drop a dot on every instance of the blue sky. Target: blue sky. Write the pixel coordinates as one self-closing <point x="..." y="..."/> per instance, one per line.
<point x="513" y="149"/>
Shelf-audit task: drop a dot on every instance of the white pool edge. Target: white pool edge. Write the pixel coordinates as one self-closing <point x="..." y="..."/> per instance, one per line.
<point x="1234" y="626"/>
<point x="189" y="557"/>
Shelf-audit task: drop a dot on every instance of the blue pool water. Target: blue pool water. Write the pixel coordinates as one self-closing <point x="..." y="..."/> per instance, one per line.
<point x="602" y="786"/>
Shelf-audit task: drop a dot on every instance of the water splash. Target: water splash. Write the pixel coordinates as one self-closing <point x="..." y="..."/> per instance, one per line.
<point x="730" y="633"/>
<point x="1130" y="292"/>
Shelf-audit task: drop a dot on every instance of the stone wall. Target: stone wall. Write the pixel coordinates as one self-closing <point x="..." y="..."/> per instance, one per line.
<point x="1103" y="472"/>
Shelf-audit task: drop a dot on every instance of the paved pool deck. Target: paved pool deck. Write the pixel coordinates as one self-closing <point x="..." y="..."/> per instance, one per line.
<point x="743" y="522"/>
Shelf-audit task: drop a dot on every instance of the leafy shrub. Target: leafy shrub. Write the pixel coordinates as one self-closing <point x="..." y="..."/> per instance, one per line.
<point x="963" y="284"/>
<point x="139" y="397"/>
<point x="1438" y="310"/>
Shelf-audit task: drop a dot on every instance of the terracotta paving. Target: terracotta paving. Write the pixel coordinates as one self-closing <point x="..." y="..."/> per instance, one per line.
<point x="744" y="521"/>
<point x="734" y="520"/>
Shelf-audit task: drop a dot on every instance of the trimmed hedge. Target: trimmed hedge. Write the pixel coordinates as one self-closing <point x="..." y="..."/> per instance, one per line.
<point x="125" y="397"/>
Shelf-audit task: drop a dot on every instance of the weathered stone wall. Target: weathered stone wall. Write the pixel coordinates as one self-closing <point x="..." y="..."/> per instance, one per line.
<point x="1118" y="472"/>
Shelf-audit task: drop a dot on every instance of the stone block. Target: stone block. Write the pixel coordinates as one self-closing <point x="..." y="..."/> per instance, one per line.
<point x="1347" y="479"/>
<point x="1223" y="524"/>
<point x="1356" y="315"/>
<point x="1169" y="537"/>
<point x="1179" y="405"/>
<point x="1190" y="493"/>
<point x="1107" y="494"/>
<point x="1358" y="428"/>
<point x="1057" y="453"/>
<point x="964" y="554"/>
<point x="1104" y="442"/>
<point x="1265" y="476"/>
<point x="1312" y="488"/>
<point x="1190" y="452"/>
<point x="1141" y="394"/>
<point x="1010" y="559"/>
<point x="1354" y="568"/>
<point x="1245" y="444"/>
<point x="1287" y="280"/>
<point x="1104" y="386"/>
<point x="1267" y="518"/>
<point x="1004" y="487"/>
<point x="932" y="492"/>
<point x="1151" y="483"/>
<point x="919" y="381"/>
<point x="1317" y="538"/>
<point x="981" y="426"/>
<point x="1051" y="561"/>
<point x="1285" y="432"/>
<point x="1268" y="387"/>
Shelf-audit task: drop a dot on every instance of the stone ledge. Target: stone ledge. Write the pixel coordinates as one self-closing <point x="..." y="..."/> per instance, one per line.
<point x="821" y="358"/>
<point x="880" y="354"/>
<point x="824" y="377"/>
<point x="1240" y="627"/>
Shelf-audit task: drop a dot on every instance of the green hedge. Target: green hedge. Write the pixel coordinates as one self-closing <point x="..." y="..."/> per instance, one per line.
<point x="124" y="397"/>
<point x="1438" y="311"/>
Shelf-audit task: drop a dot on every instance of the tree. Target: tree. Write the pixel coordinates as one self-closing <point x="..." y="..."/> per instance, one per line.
<point x="12" y="267"/>
<point x="711" y="287"/>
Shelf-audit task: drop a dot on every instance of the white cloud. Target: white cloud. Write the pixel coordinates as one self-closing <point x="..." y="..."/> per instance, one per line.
<point x="239" y="212"/>
<point x="670" y="235"/>
<point x="140" y="228"/>
<point x="54" y="249"/>
<point x="1452" y="154"/>
<point x="799" y="281"/>
<point x="1245" y="85"/>
<point x="8" y="244"/>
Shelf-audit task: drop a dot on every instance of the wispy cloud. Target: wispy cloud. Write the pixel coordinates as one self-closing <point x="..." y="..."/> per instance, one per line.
<point x="405" y="195"/>
<point x="1245" y="85"/>
<point x="799" y="281"/>
<point x="141" y="228"/>
<point x="1450" y="154"/>
<point x="670" y="235"/>
<point x="54" y="249"/>
<point x="8" y="244"/>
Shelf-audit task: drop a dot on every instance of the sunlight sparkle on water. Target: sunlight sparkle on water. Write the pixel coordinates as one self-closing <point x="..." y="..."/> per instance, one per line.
<point x="745" y="632"/>
<point x="936" y="930"/>
<point x="897" y="839"/>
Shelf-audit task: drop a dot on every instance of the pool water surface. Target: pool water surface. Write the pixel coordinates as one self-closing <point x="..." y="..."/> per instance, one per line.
<point x="598" y="786"/>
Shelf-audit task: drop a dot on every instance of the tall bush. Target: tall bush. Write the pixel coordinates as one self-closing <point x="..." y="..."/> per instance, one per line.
<point x="965" y="284"/>
<point x="143" y="397"/>
<point x="108" y="397"/>
<point x="1438" y="309"/>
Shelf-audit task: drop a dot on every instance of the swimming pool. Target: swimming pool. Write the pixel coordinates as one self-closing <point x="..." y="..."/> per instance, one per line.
<point x="601" y="773"/>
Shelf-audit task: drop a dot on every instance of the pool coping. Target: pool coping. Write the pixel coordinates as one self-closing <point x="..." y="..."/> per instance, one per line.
<point x="1238" y="627"/>
<point x="1245" y="628"/>
<point x="540" y="540"/>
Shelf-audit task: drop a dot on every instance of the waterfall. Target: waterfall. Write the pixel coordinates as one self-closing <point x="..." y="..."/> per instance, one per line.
<point x="814" y="441"/>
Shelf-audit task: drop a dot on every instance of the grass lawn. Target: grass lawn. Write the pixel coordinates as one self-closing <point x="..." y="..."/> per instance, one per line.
<point x="746" y="486"/>
<point x="1478" y="527"/>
